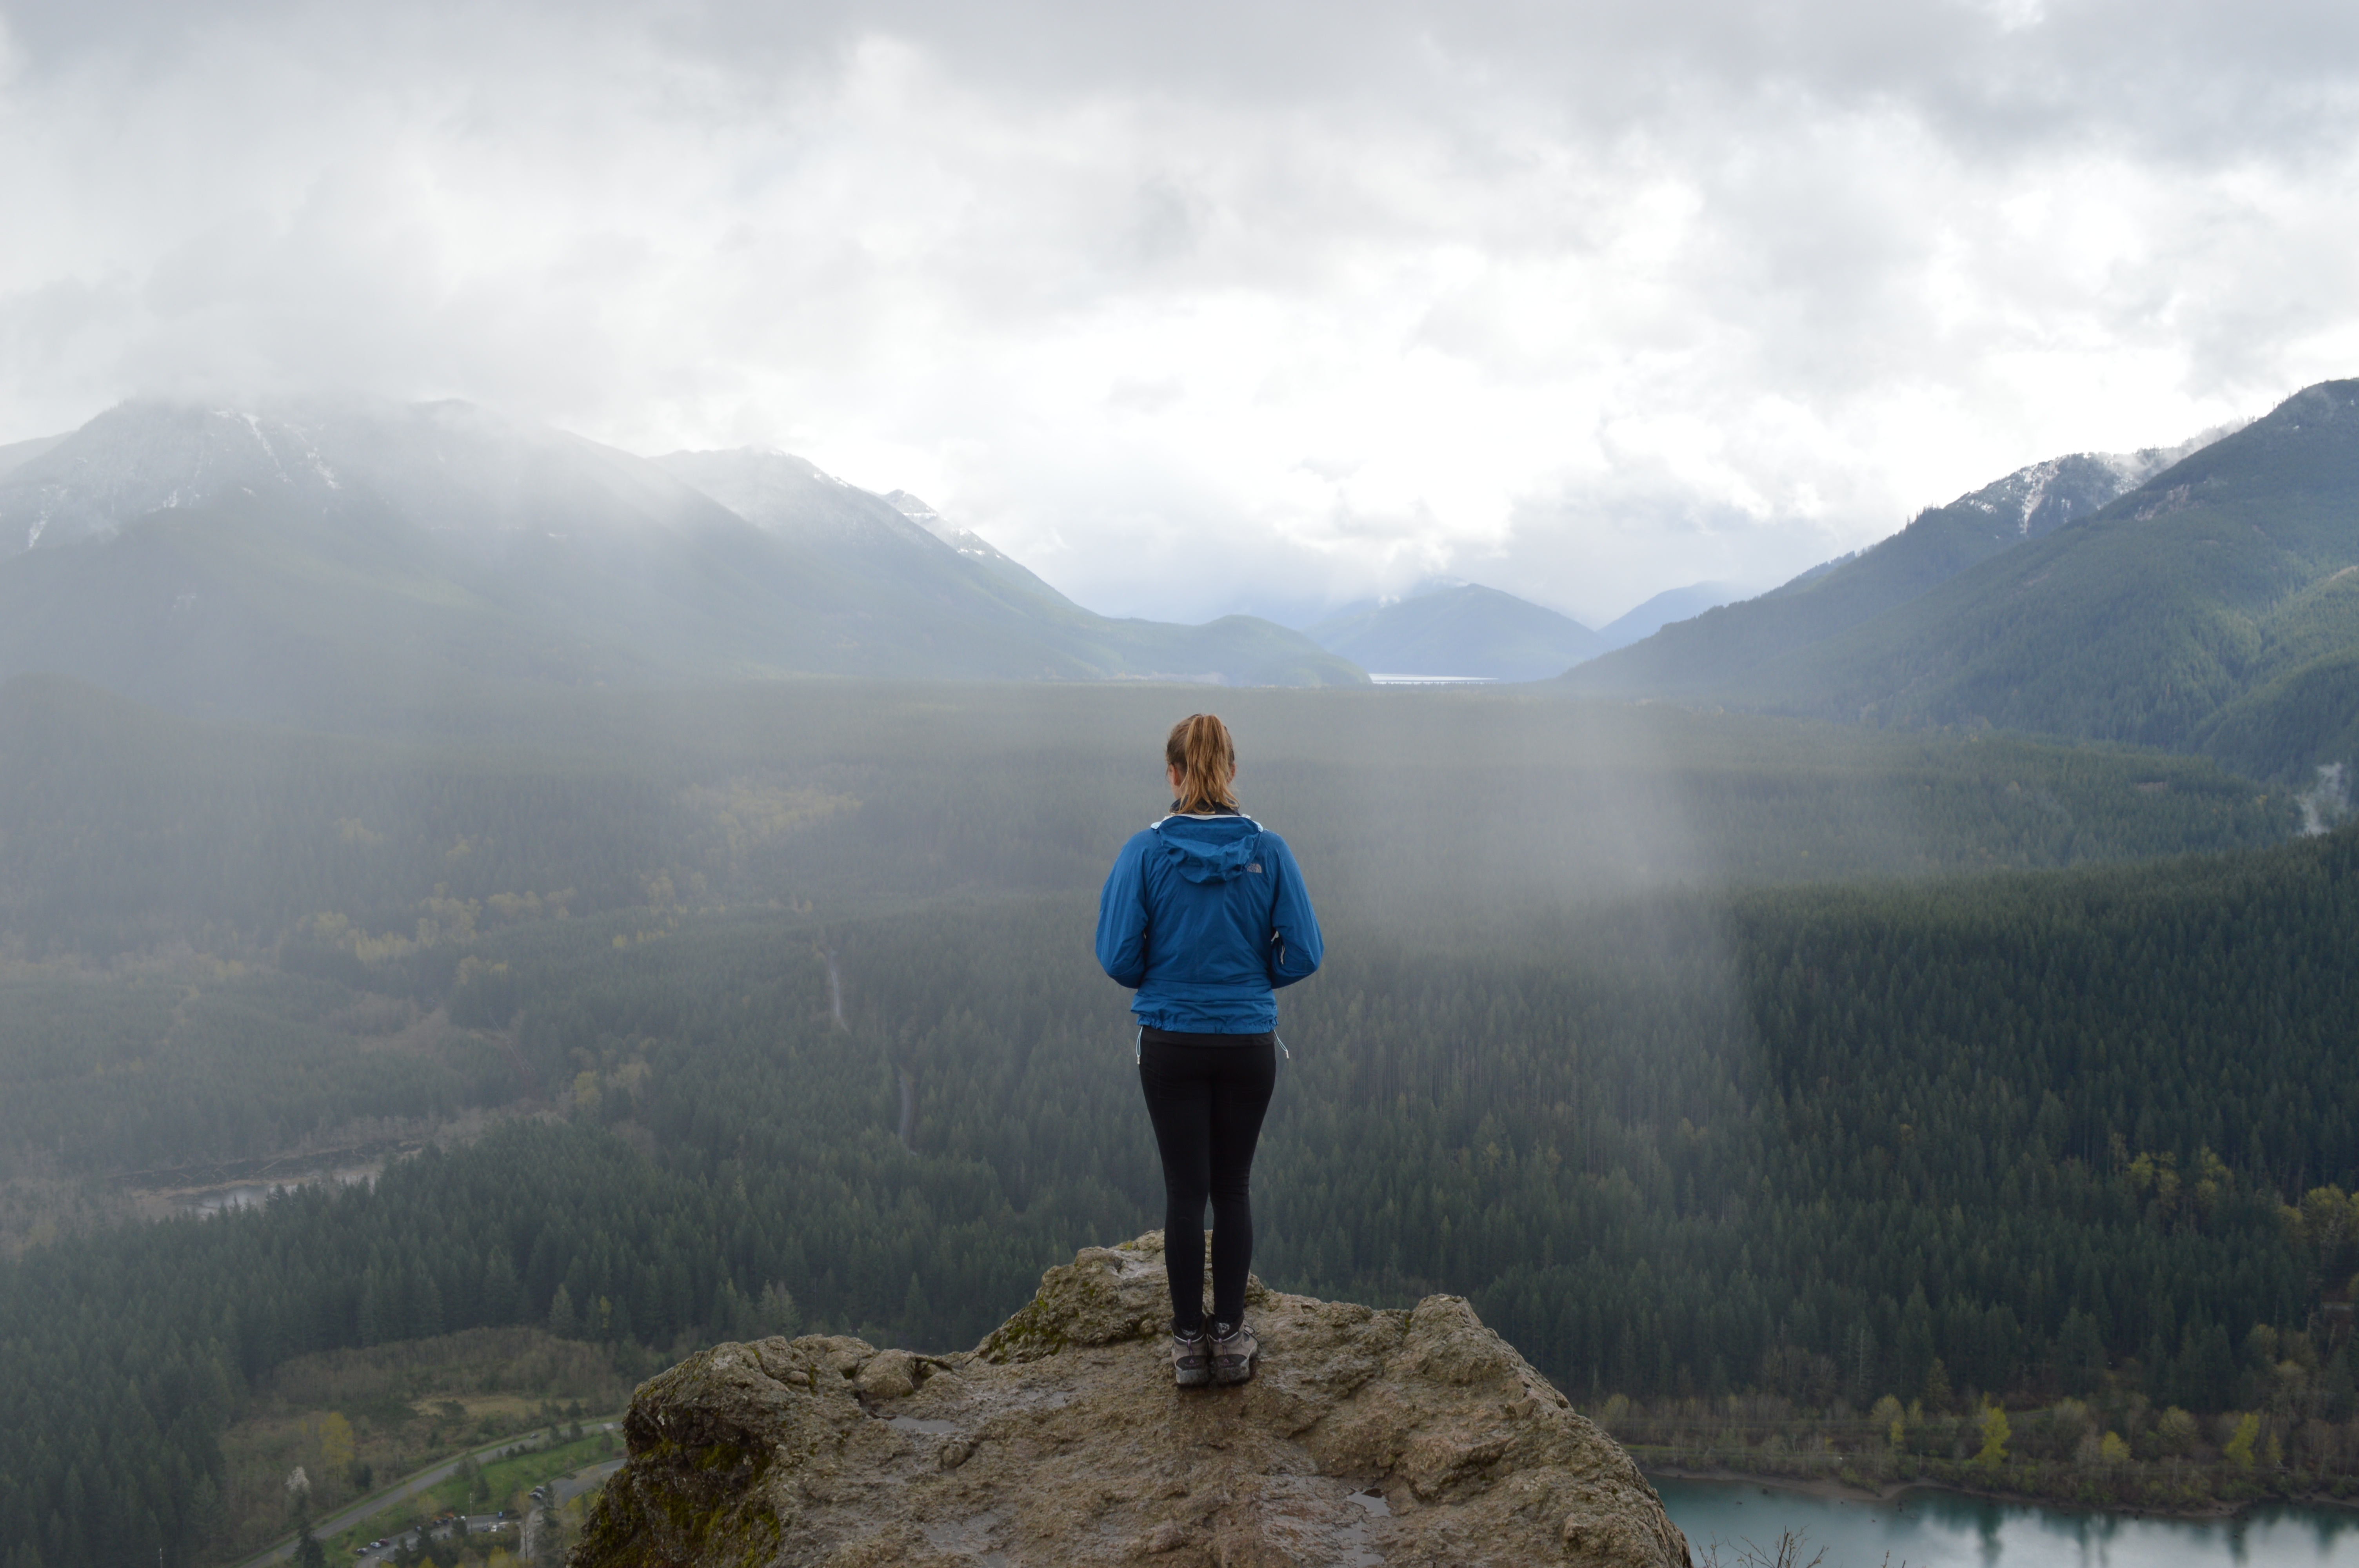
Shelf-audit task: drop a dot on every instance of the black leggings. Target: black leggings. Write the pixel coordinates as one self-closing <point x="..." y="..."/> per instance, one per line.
<point x="1206" y="1095"/>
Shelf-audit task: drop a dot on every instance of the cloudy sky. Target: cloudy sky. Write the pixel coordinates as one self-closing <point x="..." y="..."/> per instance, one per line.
<point x="1220" y="306"/>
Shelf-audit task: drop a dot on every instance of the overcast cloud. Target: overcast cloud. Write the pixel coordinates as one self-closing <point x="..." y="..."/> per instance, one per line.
<point x="1219" y="306"/>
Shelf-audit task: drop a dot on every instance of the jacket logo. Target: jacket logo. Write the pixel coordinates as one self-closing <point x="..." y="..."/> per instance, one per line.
<point x="1254" y="868"/>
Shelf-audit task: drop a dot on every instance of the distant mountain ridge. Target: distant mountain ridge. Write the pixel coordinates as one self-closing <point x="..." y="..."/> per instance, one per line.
<point x="973" y="546"/>
<point x="1463" y="628"/>
<point x="2211" y="607"/>
<point x="450" y="468"/>
<point x="1671" y="604"/>
<point x="1729" y="644"/>
<point x="339" y="556"/>
<point x="928" y="569"/>
<point x="15" y="453"/>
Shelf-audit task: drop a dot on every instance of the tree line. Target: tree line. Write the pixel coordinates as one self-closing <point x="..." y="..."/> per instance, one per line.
<point x="2021" y="1133"/>
<point x="1775" y="1130"/>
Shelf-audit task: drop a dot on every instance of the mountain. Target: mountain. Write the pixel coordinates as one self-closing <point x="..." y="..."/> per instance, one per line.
<point x="1463" y="629"/>
<point x="2216" y="608"/>
<point x="335" y="561"/>
<point x="1671" y="604"/>
<point x="973" y="545"/>
<point x="344" y="560"/>
<point x="16" y="452"/>
<point x="2213" y="607"/>
<point x="1706" y="654"/>
<point x="905" y="565"/>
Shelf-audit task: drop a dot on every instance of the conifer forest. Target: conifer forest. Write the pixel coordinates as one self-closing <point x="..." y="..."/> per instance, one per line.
<point x="1721" y="1061"/>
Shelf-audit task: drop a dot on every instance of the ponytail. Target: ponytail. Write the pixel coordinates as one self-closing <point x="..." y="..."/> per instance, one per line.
<point x="1200" y="749"/>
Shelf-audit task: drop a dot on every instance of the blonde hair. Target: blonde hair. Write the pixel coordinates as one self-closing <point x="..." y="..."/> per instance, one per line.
<point x="1200" y="749"/>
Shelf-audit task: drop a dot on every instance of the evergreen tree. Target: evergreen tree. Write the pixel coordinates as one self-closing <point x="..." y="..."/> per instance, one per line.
<point x="561" y="1321"/>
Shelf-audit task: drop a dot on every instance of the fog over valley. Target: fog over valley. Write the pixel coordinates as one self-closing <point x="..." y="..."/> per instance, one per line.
<point x="709" y="713"/>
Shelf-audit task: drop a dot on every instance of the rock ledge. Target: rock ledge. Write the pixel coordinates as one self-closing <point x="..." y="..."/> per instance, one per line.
<point x="1368" y="1438"/>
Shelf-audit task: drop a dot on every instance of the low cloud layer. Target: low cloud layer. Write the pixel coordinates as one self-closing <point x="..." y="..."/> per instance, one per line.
<point x="1230" y="307"/>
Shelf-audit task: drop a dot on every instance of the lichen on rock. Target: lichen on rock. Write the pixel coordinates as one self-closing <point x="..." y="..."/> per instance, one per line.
<point x="1367" y="1437"/>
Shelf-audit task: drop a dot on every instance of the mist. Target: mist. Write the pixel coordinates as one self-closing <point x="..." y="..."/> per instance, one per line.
<point x="1585" y="309"/>
<point x="587" y="597"/>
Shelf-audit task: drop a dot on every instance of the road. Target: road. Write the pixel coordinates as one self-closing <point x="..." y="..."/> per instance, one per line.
<point x="589" y="1478"/>
<point x="477" y="1524"/>
<point x="407" y="1487"/>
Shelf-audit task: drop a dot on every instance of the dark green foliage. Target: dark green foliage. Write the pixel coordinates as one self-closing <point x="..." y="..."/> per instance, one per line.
<point x="1803" y="1143"/>
<point x="1730" y="1149"/>
<point x="385" y="881"/>
<point x="125" y="827"/>
<point x="1810" y="1139"/>
<point x="1665" y="1148"/>
<point x="2289" y="724"/>
<point x="151" y="1073"/>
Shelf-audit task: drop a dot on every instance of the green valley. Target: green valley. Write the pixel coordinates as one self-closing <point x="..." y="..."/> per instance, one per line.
<point x="1712" y="1056"/>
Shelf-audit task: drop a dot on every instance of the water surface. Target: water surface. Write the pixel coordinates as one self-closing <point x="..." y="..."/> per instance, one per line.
<point x="1929" y="1529"/>
<point x="254" y="1194"/>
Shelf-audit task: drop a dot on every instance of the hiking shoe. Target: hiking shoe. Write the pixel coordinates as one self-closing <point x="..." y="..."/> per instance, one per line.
<point x="1234" y="1350"/>
<point x="1191" y="1360"/>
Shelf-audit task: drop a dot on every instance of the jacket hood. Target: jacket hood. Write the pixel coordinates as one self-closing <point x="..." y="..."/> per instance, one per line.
<point x="1210" y="849"/>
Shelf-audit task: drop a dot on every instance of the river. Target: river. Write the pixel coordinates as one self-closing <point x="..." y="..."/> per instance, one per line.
<point x="1930" y="1529"/>
<point x="254" y="1194"/>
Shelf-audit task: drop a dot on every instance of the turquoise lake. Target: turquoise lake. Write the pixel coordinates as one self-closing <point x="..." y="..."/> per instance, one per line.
<point x="1941" y="1530"/>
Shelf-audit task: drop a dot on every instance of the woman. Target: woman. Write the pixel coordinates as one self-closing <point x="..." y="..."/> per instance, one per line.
<point x="1205" y="916"/>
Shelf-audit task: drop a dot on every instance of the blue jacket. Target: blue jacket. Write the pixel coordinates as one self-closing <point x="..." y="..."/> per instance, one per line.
<point x="1206" y="918"/>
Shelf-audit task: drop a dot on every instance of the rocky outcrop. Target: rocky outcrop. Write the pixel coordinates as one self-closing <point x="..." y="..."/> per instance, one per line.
<point x="1367" y="1437"/>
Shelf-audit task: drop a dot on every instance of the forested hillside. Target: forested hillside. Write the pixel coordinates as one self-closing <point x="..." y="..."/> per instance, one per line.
<point x="2213" y="608"/>
<point x="2058" y="1133"/>
<point x="302" y="932"/>
<point x="1722" y="648"/>
<point x="1707" y="1054"/>
<point x="122" y="828"/>
<point x="357" y="565"/>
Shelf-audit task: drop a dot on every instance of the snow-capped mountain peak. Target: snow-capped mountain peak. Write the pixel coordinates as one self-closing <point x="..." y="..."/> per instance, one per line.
<point x="447" y="467"/>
